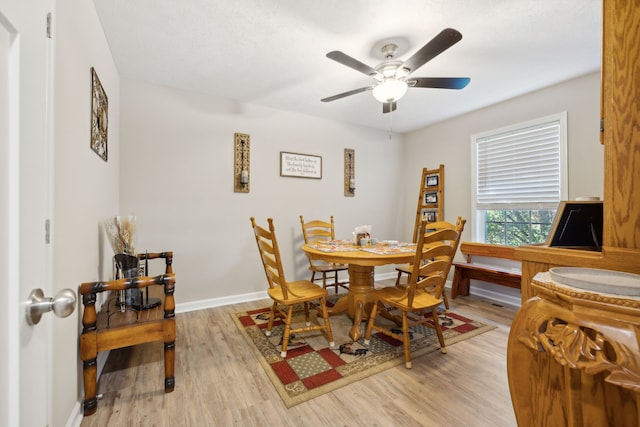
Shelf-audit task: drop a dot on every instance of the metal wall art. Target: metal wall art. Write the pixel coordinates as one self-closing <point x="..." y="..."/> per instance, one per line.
<point x="349" y="172"/>
<point x="242" y="152"/>
<point x="99" y="117"/>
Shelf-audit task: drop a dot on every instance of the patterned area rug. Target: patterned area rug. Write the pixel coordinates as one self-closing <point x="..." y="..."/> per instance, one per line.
<point x="311" y="368"/>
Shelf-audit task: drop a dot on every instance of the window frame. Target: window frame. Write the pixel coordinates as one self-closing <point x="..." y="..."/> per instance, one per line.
<point x="478" y="226"/>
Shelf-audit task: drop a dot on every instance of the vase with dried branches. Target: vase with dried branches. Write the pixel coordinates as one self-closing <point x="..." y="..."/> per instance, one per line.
<point x="121" y="233"/>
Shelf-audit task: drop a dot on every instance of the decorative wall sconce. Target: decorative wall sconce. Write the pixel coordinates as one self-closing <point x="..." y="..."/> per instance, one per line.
<point x="241" y="162"/>
<point x="349" y="172"/>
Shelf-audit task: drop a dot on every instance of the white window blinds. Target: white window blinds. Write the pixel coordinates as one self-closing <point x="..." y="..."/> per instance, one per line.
<point x="521" y="167"/>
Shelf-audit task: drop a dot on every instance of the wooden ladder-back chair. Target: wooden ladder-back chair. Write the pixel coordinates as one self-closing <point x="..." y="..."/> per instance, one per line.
<point x="422" y="294"/>
<point x="287" y="294"/>
<point x="322" y="230"/>
<point x="433" y="226"/>
<point x="113" y="328"/>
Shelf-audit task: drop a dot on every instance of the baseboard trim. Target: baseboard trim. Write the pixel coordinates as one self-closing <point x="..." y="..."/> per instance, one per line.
<point x="75" y="419"/>
<point x="512" y="300"/>
<point x="237" y="299"/>
<point x="219" y="302"/>
<point x="254" y="296"/>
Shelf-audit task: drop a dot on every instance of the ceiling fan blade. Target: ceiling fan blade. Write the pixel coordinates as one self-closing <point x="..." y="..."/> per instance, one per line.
<point x="443" y="41"/>
<point x="388" y="107"/>
<point x="349" y="93"/>
<point x="350" y="62"/>
<point x="440" y="82"/>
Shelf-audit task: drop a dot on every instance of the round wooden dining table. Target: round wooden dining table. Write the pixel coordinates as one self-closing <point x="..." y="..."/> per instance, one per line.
<point x="361" y="262"/>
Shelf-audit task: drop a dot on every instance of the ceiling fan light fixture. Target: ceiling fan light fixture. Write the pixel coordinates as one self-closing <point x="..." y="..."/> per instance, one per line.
<point x="390" y="90"/>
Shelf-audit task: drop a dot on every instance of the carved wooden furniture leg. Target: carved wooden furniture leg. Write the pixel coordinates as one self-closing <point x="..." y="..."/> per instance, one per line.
<point x="359" y="297"/>
<point x="340" y="306"/>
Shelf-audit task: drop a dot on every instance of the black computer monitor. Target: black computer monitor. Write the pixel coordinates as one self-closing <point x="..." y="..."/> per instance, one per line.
<point x="577" y="225"/>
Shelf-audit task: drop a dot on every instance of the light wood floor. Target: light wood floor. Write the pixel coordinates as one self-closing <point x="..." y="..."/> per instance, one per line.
<point x="220" y="383"/>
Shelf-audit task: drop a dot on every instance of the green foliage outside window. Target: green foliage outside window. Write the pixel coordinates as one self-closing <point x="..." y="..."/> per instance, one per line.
<point x="517" y="227"/>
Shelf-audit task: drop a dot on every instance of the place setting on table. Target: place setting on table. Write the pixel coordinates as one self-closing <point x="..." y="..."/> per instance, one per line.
<point x="362" y="241"/>
<point x="382" y="247"/>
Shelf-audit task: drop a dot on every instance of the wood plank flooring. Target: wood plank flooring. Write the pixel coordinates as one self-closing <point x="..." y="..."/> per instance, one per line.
<point x="220" y="383"/>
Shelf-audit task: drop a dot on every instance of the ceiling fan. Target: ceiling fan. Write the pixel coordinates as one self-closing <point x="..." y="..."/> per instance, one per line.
<point x="391" y="77"/>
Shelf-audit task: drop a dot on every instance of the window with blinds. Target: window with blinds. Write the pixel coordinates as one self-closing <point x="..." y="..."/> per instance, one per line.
<point x="519" y="176"/>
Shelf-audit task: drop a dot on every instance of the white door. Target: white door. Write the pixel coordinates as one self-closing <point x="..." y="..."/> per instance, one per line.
<point x="25" y="141"/>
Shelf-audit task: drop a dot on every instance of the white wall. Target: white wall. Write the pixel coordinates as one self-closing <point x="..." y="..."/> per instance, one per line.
<point x="86" y="187"/>
<point x="177" y="178"/>
<point x="449" y="143"/>
<point x="183" y="193"/>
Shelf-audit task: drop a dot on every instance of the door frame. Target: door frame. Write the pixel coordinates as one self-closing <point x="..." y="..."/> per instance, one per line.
<point x="29" y="144"/>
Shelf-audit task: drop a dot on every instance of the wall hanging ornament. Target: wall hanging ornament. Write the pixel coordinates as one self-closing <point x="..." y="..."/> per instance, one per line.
<point x="99" y="117"/>
<point x="241" y="162"/>
<point x="349" y="172"/>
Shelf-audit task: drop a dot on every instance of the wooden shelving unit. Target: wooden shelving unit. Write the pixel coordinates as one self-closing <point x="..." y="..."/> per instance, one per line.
<point x="430" y="198"/>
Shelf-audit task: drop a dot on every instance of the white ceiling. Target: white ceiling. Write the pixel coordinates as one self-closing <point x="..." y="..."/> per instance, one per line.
<point x="272" y="52"/>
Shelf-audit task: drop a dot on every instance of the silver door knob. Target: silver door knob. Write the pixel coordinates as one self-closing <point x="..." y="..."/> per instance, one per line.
<point x="62" y="304"/>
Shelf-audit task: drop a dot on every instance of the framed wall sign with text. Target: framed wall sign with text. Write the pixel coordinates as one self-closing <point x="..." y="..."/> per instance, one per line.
<point x="300" y="165"/>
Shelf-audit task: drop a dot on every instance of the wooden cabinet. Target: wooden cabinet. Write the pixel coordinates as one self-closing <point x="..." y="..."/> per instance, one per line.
<point x="430" y="198"/>
<point x="621" y="139"/>
<point x="572" y="357"/>
<point x="621" y="123"/>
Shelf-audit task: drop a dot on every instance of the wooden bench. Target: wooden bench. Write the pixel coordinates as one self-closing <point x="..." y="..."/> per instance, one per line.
<point x="111" y="328"/>
<point x="465" y="271"/>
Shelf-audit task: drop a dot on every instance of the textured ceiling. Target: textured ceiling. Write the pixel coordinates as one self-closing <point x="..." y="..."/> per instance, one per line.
<point x="272" y="52"/>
